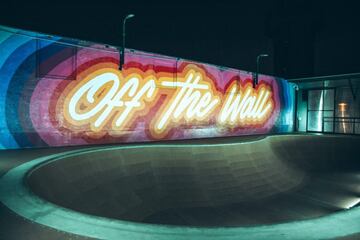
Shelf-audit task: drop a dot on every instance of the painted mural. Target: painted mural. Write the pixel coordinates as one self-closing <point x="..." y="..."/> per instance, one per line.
<point x="57" y="92"/>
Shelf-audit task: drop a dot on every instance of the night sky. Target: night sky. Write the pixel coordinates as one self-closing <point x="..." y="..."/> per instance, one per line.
<point x="303" y="38"/>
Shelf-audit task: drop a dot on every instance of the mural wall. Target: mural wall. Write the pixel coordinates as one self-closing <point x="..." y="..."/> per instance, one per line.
<point x="57" y="92"/>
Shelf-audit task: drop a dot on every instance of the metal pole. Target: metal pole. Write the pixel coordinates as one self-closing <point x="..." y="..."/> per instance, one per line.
<point x="122" y="50"/>
<point x="255" y="81"/>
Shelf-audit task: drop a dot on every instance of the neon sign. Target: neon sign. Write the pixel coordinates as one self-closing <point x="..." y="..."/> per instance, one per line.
<point x="107" y="97"/>
<point x="102" y="94"/>
<point x="246" y="106"/>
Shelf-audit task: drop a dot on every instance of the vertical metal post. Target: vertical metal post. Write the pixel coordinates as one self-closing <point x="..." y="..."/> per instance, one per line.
<point x="122" y="49"/>
<point x="296" y="127"/>
<point x="255" y="78"/>
<point x="334" y="117"/>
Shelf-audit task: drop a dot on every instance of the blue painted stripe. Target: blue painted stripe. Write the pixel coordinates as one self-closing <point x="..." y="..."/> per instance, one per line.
<point x="7" y="49"/>
<point x="16" y="49"/>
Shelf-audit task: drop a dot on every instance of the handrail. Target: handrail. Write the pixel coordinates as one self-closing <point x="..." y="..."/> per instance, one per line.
<point x="352" y="121"/>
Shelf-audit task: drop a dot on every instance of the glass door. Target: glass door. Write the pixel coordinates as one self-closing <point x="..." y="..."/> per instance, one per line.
<point x="320" y="110"/>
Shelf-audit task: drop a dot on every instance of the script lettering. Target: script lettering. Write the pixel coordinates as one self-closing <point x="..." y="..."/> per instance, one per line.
<point x="104" y="95"/>
<point x="193" y="100"/>
<point x="246" y="106"/>
<point x="105" y="101"/>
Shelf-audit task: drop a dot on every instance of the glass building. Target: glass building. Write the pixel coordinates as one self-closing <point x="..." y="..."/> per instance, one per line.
<point x="329" y="104"/>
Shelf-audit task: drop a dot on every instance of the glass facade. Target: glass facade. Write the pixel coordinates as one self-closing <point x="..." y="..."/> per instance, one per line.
<point x="329" y="106"/>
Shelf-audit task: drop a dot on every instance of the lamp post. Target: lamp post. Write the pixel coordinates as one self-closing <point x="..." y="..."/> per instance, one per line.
<point x="258" y="58"/>
<point x="122" y="50"/>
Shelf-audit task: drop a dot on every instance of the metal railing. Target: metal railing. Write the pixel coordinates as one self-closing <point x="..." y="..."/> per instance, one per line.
<point x="344" y="125"/>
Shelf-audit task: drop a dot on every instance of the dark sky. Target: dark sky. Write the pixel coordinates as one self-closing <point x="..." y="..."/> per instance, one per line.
<point x="303" y="37"/>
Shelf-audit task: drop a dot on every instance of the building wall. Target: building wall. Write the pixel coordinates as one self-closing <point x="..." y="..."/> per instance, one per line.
<point x="331" y="109"/>
<point x="57" y="92"/>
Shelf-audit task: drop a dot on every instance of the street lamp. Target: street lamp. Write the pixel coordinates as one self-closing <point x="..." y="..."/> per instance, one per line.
<point x="256" y="78"/>
<point x="122" y="50"/>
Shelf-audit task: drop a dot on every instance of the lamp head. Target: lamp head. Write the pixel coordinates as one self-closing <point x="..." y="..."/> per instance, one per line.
<point x="130" y="16"/>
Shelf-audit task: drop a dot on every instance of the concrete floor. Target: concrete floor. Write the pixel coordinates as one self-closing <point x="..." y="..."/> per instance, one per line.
<point x="220" y="184"/>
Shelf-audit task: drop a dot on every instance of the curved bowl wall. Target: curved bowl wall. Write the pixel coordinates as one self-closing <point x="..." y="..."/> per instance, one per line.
<point x="132" y="183"/>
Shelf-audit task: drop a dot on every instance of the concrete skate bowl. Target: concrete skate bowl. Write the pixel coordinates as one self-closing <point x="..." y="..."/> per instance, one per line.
<point x="279" y="186"/>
